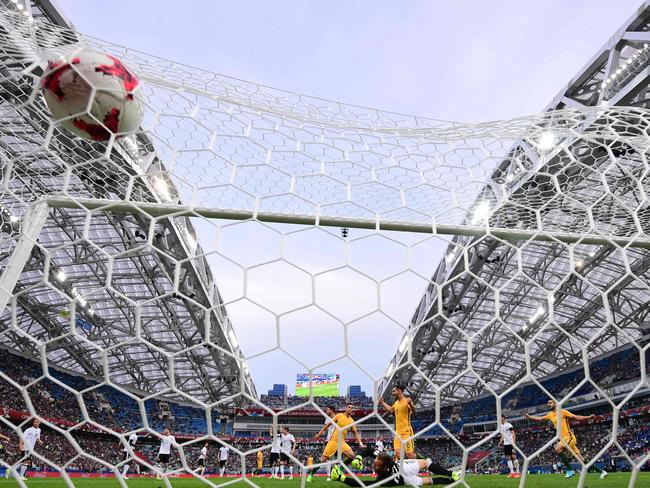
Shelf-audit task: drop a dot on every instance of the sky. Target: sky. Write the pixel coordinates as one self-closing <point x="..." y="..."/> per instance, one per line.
<point x="464" y="61"/>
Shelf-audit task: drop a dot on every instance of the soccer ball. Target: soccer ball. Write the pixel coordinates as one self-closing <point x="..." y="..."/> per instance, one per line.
<point x="93" y="95"/>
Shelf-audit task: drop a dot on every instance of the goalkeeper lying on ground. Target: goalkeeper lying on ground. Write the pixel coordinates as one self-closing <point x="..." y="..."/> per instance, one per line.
<point x="406" y="474"/>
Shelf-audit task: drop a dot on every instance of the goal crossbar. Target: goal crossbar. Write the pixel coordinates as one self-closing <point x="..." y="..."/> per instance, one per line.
<point x="155" y="209"/>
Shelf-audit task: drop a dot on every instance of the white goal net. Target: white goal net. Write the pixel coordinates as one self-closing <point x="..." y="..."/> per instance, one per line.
<point x="149" y="279"/>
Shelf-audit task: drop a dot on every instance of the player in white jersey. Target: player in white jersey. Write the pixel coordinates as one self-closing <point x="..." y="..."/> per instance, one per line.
<point x="202" y="459"/>
<point x="27" y="444"/>
<point x="223" y="459"/>
<point x="329" y="410"/>
<point x="379" y="448"/>
<point x="287" y="448"/>
<point x="379" y="445"/>
<point x="508" y="440"/>
<point x="167" y="440"/>
<point x="133" y="439"/>
<point x="274" y="458"/>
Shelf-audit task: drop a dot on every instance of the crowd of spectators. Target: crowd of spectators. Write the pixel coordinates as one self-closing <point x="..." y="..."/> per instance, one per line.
<point x="56" y="398"/>
<point x="280" y="402"/>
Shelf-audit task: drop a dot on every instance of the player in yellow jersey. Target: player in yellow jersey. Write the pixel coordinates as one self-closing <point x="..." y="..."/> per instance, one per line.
<point x="310" y="461"/>
<point x="260" y="463"/>
<point x="567" y="436"/>
<point x="343" y="423"/>
<point x="403" y="409"/>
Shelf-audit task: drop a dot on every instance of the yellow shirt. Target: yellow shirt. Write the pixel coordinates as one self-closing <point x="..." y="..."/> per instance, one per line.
<point x="260" y="459"/>
<point x="402" y="416"/>
<point x="343" y="422"/>
<point x="565" y="426"/>
<point x="310" y="460"/>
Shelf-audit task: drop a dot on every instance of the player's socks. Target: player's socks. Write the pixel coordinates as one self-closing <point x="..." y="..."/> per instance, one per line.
<point x="282" y="471"/>
<point x="437" y="469"/>
<point x="516" y="465"/>
<point x="565" y="461"/>
<point x="290" y="471"/>
<point x="23" y="470"/>
<point x="313" y="471"/>
<point x="438" y="481"/>
<point x="511" y="467"/>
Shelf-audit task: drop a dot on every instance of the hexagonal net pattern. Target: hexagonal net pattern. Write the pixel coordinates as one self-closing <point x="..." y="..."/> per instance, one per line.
<point x="242" y="226"/>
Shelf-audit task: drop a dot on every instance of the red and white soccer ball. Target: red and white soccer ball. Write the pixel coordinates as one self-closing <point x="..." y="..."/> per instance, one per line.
<point x="93" y="95"/>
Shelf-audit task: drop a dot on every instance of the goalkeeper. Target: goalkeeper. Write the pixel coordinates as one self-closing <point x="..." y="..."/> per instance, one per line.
<point x="406" y="474"/>
<point x="345" y="423"/>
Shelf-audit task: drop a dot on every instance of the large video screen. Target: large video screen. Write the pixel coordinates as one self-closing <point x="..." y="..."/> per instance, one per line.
<point x="323" y="384"/>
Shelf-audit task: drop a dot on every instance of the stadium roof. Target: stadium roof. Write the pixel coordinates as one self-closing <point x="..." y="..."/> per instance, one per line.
<point x="600" y="298"/>
<point x="148" y="329"/>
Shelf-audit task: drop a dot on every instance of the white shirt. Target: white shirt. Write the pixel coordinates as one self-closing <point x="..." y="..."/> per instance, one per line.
<point x="275" y="447"/>
<point x="286" y="442"/>
<point x="330" y="430"/>
<point x="379" y="446"/>
<point x="166" y="444"/>
<point x="133" y="438"/>
<point x="204" y="453"/>
<point x="31" y="435"/>
<point x="506" y="432"/>
<point x="223" y="453"/>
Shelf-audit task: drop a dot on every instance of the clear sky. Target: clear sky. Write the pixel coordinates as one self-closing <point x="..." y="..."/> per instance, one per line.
<point x="465" y="61"/>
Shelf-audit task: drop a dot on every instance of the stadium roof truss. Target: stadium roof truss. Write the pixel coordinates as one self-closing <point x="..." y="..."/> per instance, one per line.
<point x="464" y="294"/>
<point x="162" y="293"/>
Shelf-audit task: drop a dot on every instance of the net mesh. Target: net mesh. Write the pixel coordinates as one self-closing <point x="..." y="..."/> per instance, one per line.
<point x="125" y="263"/>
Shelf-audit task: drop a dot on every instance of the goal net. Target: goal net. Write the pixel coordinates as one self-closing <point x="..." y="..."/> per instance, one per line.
<point x="149" y="279"/>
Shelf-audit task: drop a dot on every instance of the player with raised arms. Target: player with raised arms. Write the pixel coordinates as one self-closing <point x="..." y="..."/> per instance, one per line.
<point x="343" y="422"/>
<point x="568" y="439"/>
<point x="403" y="408"/>
<point x="274" y="458"/>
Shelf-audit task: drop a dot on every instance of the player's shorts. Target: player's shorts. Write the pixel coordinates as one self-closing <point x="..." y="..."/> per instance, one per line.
<point x="274" y="458"/>
<point x="127" y="456"/>
<point x="201" y="462"/>
<point x="410" y="470"/>
<point x="508" y="450"/>
<point x="222" y="463"/>
<point x="163" y="458"/>
<point x="260" y="465"/>
<point x="400" y="439"/>
<point x="571" y="442"/>
<point x="284" y="458"/>
<point x="332" y="447"/>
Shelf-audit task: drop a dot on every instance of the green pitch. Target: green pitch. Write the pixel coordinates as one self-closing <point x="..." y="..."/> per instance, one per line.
<point x="614" y="480"/>
<point x="331" y="389"/>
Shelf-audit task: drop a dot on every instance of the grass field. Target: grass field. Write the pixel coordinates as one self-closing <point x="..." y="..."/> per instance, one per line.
<point x="614" y="480"/>
<point x="331" y="389"/>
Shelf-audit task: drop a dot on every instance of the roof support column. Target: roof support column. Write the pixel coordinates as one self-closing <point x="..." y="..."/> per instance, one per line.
<point x="33" y="223"/>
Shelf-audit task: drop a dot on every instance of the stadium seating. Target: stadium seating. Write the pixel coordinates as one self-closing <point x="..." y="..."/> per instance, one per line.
<point x="52" y="399"/>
